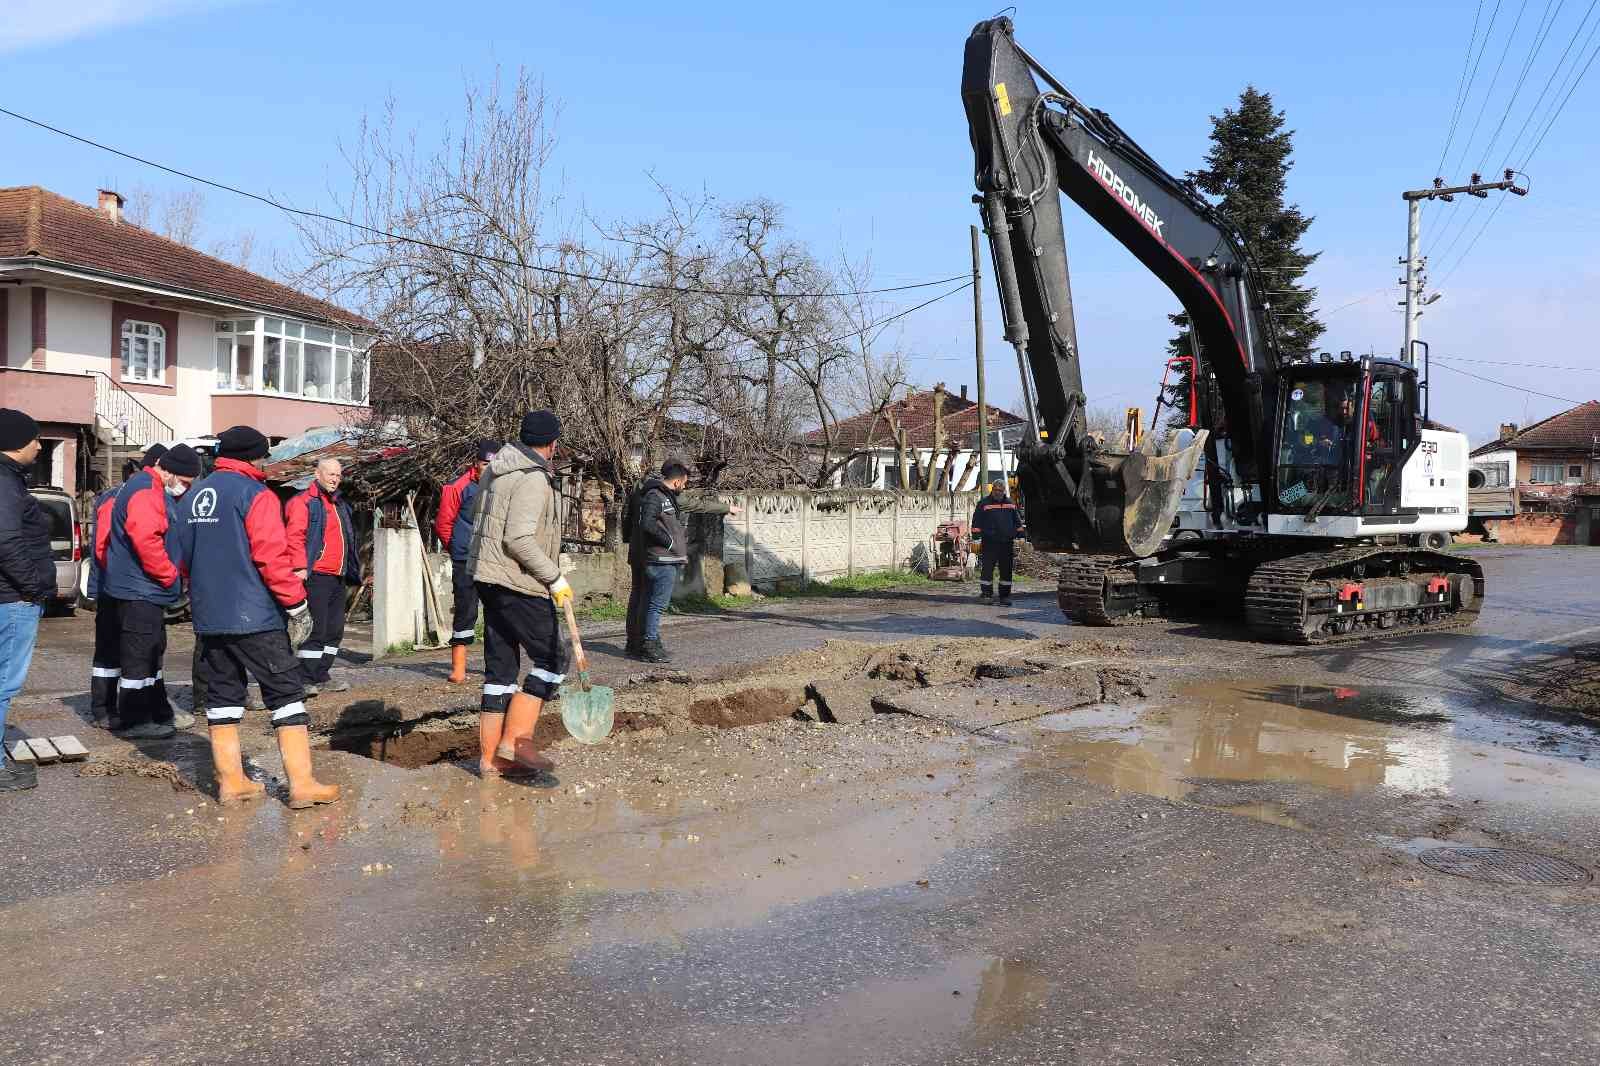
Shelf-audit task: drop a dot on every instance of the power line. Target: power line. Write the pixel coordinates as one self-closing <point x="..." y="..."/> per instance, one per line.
<point x="1541" y="34"/>
<point x="1549" y="125"/>
<point x="1357" y="300"/>
<point x="1528" y="123"/>
<point x="1504" y="384"/>
<point x="1487" y="33"/>
<point x="868" y="328"/>
<point x="479" y="256"/>
<point x="1528" y="366"/>
<point x="1461" y="89"/>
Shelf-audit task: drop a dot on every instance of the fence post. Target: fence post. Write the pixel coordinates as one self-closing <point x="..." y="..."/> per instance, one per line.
<point x="805" y="547"/>
<point x="850" y="542"/>
<point x="894" y="536"/>
<point x="749" y="539"/>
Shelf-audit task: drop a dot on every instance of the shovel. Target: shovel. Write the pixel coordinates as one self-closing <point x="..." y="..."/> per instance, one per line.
<point x="586" y="710"/>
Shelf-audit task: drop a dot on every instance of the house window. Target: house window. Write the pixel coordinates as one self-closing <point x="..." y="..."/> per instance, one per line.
<point x="144" y="353"/>
<point x="1574" y="472"/>
<point x="287" y="358"/>
<point x="1546" y="474"/>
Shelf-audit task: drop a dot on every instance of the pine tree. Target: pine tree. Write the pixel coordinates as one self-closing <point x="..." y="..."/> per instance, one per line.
<point x="1245" y="174"/>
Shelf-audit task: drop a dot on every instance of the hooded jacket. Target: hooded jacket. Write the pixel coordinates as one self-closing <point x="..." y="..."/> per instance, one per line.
<point x="516" y="530"/>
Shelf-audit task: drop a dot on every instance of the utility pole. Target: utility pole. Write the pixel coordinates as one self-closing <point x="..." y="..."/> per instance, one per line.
<point x="977" y="335"/>
<point x="1415" y="280"/>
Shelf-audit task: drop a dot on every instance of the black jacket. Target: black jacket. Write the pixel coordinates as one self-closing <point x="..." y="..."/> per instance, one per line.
<point x="27" y="568"/>
<point x="659" y="535"/>
<point x="997" y="521"/>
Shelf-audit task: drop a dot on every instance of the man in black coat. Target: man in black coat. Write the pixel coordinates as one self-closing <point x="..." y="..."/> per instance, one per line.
<point x="997" y="523"/>
<point x="658" y="550"/>
<point x="27" y="575"/>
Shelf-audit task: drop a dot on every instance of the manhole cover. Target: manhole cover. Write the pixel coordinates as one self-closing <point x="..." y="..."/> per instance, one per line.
<point x="1505" y="867"/>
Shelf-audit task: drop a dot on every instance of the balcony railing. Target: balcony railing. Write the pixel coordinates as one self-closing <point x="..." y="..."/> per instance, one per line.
<point x="121" y="414"/>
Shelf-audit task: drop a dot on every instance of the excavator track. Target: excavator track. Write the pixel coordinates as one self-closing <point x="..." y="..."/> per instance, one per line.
<point x="1082" y="593"/>
<point x="1276" y="599"/>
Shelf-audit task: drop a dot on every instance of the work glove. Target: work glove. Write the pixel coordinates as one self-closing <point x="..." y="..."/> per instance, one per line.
<point x="299" y="624"/>
<point x="561" y="592"/>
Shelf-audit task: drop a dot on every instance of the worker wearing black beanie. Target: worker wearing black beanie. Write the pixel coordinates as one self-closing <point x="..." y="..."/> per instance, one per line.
<point x="250" y="612"/>
<point x="243" y="443"/>
<point x="183" y="461"/>
<point x="27" y="573"/>
<point x="17" y="430"/>
<point x="152" y="456"/>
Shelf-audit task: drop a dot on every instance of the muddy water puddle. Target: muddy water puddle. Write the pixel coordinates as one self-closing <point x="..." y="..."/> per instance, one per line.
<point x="1343" y="739"/>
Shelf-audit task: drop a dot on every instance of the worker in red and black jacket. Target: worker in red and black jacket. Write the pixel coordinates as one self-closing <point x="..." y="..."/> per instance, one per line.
<point x="245" y="598"/>
<point x="106" y="667"/>
<point x="323" y="549"/>
<point x="454" y="529"/>
<point x="139" y="551"/>
<point x="997" y="523"/>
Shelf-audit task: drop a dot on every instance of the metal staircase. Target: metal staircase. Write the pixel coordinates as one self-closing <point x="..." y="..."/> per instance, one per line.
<point x="124" y="427"/>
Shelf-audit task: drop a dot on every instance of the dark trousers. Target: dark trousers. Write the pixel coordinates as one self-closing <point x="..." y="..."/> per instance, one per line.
<point x="996" y="554"/>
<point x="106" y="669"/>
<point x="141" y="646"/>
<point x="325" y="597"/>
<point x="638" y="596"/>
<point x="464" y="618"/>
<point x="225" y="663"/>
<point x="515" y="622"/>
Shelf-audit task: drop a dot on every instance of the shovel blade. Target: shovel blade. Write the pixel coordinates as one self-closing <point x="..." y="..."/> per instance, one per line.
<point x="588" y="713"/>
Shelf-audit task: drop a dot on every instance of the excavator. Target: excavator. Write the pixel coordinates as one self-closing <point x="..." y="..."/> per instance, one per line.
<point x="1309" y="492"/>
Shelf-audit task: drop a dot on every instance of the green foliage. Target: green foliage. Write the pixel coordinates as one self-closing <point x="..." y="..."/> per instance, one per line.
<point x="1246" y="175"/>
<point x="405" y="647"/>
<point x="606" y="610"/>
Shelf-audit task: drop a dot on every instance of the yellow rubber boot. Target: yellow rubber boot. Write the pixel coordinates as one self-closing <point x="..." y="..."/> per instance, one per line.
<point x="233" y="786"/>
<point x="458" y="664"/>
<point x="294" y="744"/>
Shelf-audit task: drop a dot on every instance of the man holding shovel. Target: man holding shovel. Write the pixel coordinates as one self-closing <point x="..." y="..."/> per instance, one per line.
<point x="516" y="542"/>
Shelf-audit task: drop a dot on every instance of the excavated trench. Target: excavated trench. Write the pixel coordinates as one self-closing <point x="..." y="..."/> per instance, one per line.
<point x="971" y="683"/>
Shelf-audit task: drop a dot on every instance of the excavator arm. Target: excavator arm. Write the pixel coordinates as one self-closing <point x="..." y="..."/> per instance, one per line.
<point x="1030" y="146"/>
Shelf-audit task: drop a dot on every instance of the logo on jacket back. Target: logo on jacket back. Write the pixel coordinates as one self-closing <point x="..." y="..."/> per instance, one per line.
<point x="204" y="508"/>
<point x="1120" y="189"/>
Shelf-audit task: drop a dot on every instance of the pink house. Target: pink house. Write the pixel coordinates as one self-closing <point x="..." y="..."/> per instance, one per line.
<point x="114" y="337"/>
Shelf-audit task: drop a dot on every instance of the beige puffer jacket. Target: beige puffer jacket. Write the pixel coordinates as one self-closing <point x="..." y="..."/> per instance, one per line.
<point x="516" y="527"/>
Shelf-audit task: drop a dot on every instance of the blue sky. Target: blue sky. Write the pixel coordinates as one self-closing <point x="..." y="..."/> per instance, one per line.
<point x="849" y="115"/>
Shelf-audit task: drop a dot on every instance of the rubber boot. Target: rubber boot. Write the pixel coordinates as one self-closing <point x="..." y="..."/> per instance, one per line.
<point x="232" y="785"/>
<point x="458" y="664"/>
<point x="294" y="744"/>
<point x="491" y="727"/>
<point x="655" y="652"/>
<point x="516" y="742"/>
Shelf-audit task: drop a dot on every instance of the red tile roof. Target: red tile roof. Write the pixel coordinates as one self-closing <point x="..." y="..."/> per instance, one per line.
<point x="915" y="415"/>
<point x="1574" y="430"/>
<point x="38" y="223"/>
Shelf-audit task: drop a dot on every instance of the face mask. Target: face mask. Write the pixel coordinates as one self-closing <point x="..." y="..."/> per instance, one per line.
<point x="177" y="489"/>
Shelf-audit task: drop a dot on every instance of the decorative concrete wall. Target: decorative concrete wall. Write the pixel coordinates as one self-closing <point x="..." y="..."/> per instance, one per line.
<point x="835" y="533"/>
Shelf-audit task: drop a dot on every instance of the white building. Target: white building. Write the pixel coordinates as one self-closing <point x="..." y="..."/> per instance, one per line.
<point x="114" y="337"/>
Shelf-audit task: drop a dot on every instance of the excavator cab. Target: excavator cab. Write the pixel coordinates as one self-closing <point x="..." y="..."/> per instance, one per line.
<point x="1344" y="430"/>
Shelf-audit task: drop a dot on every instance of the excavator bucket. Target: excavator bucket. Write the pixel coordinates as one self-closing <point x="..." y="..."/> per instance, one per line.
<point x="1152" y="488"/>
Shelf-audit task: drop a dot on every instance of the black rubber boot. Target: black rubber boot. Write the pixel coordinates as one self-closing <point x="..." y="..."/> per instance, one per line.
<point x="655" y="653"/>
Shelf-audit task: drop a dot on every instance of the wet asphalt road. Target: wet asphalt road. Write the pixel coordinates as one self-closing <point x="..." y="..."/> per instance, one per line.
<point x="1036" y="909"/>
